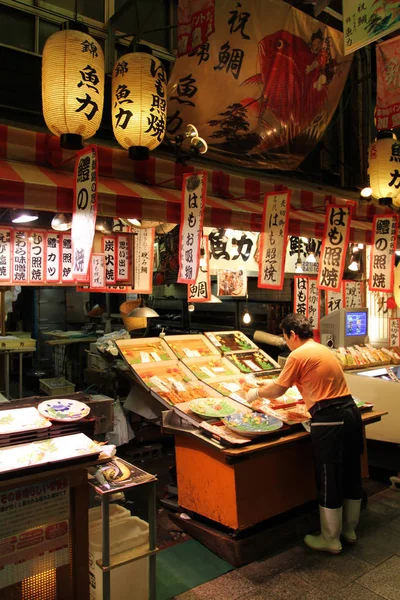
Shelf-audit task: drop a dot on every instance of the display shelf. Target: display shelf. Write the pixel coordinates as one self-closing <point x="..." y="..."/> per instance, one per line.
<point x="191" y="345"/>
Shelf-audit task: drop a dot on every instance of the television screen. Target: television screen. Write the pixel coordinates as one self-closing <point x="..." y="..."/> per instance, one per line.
<point x="356" y="323"/>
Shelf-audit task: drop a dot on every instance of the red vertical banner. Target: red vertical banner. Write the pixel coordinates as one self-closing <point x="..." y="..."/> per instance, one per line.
<point x="143" y="260"/>
<point x="66" y="258"/>
<point x="334" y="247"/>
<point x="381" y="273"/>
<point x="98" y="273"/>
<point x="122" y="266"/>
<point x="20" y="257"/>
<point x="37" y="257"/>
<point x="192" y="212"/>
<point x="196" y="21"/>
<point x="5" y="254"/>
<point x="394" y="332"/>
<point x="387" y="110"/>
<point x="353" y="293"/>
<point x="109" y="251"/>
<point x="274" y="238"/>
<point x="314" y="305"/>
<point x="200" y="291"/>
<point x="84" y="211"/>
<point x="53" y="257"/>
<point x="300" y="305"/>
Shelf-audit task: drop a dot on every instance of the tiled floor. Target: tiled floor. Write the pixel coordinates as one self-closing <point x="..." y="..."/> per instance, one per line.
<point x="369" y="570"/>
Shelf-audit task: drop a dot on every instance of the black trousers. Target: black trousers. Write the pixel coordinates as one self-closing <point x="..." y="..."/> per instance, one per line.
<point x="337" y="445"/>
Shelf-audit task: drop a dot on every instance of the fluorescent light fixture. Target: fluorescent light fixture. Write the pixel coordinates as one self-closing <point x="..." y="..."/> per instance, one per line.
<point x="23" y="216"/>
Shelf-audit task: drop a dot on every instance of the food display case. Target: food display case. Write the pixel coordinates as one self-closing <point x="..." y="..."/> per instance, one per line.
<point x="191" y="346"/>
<point x="207" y="367"/>
<point x="145" y="350"/>
<point x="253" y="361"/>
<point x="230" y="341"/>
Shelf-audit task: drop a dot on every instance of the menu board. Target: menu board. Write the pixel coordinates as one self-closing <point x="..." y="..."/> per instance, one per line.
<point x="190" y="346"/>
<point x="146" y="350"/>
<point x="209" y="367"/>
<point x="230" y="341"/>
<point x="254" y="361"/>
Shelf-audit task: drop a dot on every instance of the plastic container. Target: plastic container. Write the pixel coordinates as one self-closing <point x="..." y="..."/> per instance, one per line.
<point x="116" y="512"/>
<point x="131" y="580"/>
<point x="56" y="386"/>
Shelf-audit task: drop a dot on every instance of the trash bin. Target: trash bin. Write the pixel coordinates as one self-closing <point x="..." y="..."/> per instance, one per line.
<point x="130" y="536"/>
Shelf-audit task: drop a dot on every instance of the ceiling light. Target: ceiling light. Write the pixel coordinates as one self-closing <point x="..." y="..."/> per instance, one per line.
<point x="366" y="192"/>
<point x="135" y="222"/>
<point x="61" y="222"/>
<point x="353" y="266"/>
<point x="199" y="145"/>
<point x="104" y="224"/>
<point x="23" y="216"/>
<point x="143" y="311"/>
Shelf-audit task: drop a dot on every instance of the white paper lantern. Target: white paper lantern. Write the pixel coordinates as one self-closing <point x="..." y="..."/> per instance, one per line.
<point x="384" y="168"/>
<point x="139" y="103"/>
<point x="72" y="86"/>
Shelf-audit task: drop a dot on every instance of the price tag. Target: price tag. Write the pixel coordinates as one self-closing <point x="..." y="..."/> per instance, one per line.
<point x="155" y="356"/>
<point x="252" y="365"/>
<point x="178" y="385"/>
<point x="144" y="357"/>
<point x="159" y="384"/>
<point x="207" y="371"/>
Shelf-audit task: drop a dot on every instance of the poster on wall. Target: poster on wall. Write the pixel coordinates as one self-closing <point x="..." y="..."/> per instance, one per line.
<point x="143" y="244"/>
<point x="196" y="20"/>
<point x="231" y="283"/>
<point x="394" y="332"/>
<point x="334" y="247"/>
<point x="193" y="199"/>
<point x="201" y="290"/>
<point x="300" y="304"/>
<point x="353" y="293"/>
<point x="381" y="273"/>
<point x="367" y="21"/>
<point x="84" y="211"/>
<point x="274" y="238"/>
<point x="5" y="254"/>
<point x="387" y="109"/>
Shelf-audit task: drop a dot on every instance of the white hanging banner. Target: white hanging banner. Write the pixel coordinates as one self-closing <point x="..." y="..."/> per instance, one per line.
<point x="66" y="258"/>
<point x="109" y="250"/>
<point x="300" y="295"/>
<point x="333" y="301"/>
<point x="334" y="247"/>
<point x="394" y="332"/>
<point x="122" y="258"/>
<point x="274" y="238"/>
<point x="381" y="273"/>
<point x="5" y="254"/>
<point x="314" y="304"/>
<point x="20" y="257"/>
<point x="84" y="211"/>
<point x="352" y="294"/>
<point x="98" y="272"/>
<point x="143" y="260"/>
<point x="192" y="211"/>
<point x="37" y="257"/>
<point x="53" y="257"/>
<point x="201" y="290"/>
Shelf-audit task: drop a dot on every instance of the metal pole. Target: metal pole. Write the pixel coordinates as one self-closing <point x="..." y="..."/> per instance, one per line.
<point x="7" y="382"/>
<point x="152" y="539"/>
<point x="105" y="559"/>
<point x="20" y="374"/>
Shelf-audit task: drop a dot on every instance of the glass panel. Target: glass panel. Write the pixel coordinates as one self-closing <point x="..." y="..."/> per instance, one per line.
<point x="153" y="14"/>
<point x="17" y="28"/>
<point x="46" y="29"/>
<point x="94" y="9"/>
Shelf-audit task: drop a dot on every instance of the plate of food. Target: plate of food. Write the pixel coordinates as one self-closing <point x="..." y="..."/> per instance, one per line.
<point x="63" y="410"/>
<point x="212" y="407"/>
<point x="252" y="424"/>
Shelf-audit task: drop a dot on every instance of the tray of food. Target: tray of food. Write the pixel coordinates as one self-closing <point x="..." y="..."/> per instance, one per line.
<point x="290" y="415"/>
<point x="234" y="386"/>
<point x="230" y="341"/>
<point x="207" y="367"/>
<point x="252" y="361"/>
<point x="146" y="350"/>
<point x="191" y="345"/>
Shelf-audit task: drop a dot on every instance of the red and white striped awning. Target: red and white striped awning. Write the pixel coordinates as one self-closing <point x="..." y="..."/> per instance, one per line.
<point x="36" y="173"/>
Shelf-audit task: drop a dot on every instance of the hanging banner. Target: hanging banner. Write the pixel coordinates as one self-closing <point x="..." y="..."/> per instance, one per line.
<point x="387" y="110"/>
<point x="333" y="301"/>
<point x="232" y="249"/>
<point x="123" y="258"/>
<point x="201" y="290"/>
<point x="196" y="20"/>
<point x="276" y="76"/>
<point x="314" y="305"/>
<point x="66" y="258"/>
<point x="381" y="271"/>
<point x="367" y="21"/>
<point x="20" y="257"/>
<point x="273" y="241"/>
<point x="98" y="272"/>
<point x="37" y="257"/>
<point x="109" y="250"/>
<point x="394" y="332"/>
<point x="84" y="211"/>
<point x="143" y="260"/>
<point x="194" y="188"/>
<point x="53" y="257"/>
<point x="353" y="292"/>
<point x="300" y="304"/>
<point x="5" y="254"/>
<point x="334" y="247"/>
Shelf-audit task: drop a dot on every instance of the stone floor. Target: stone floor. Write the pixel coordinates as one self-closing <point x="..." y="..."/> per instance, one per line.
<point x="370" y="570"/>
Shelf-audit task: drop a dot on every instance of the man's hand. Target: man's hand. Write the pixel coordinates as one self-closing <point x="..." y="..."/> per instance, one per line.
<point x="252" y="395"/>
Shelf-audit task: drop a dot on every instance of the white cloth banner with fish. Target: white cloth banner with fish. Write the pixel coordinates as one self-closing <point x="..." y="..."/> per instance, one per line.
<point x="263" y="87"/>
<point x="273" y="240"/>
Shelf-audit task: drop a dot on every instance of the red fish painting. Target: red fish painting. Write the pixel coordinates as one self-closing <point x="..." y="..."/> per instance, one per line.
<point x="293" y="77"/>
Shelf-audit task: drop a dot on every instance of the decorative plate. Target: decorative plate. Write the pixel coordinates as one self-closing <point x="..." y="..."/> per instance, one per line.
<point x="63" y="410"/>
<point x="21" y="419"/>
<point x="252" y="424"/>
<point x="212" y="407"/>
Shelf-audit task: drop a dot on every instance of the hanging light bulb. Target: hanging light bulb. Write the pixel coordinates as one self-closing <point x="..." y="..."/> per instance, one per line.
<point x="191" y="307"/>
<point x="298" y="267"/>
<point x="366" y="192"/>
<point x="353" y="266"/>
<point x="246" y="317"/>
<point x="61" y="222"/>
<point x="312" y="246"/>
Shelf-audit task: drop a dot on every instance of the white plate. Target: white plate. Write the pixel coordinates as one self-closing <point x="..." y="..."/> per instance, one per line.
<point x="63" y="409"/>
<point x="21" y="419"/>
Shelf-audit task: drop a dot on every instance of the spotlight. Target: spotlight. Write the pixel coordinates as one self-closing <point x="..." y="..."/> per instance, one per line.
<point x="366" y="192"/>
<point x="104" y="224"/>
<point x="199" y="145"/>
<point x="135" y="222"/>
<point x="190" y="132"/>
<point x="61" y="222"/>
<point x="23" y="216"/>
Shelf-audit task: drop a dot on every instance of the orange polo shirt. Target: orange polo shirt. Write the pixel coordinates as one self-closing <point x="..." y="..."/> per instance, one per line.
<point x="315" y="371"/>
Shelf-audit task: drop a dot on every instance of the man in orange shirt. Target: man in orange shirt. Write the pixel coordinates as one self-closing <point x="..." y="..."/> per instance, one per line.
<point x="336" y="431"/>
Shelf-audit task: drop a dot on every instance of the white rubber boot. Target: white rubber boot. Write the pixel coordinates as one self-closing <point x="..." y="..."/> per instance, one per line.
<point x="331" y="527"/>
<point x="351" y="516"/>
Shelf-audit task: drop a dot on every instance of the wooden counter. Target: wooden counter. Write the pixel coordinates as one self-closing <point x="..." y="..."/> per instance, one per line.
<point x="240" y="487"/>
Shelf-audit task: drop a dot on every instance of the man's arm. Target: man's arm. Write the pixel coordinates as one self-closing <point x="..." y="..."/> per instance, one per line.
<point x="269" y="390"/>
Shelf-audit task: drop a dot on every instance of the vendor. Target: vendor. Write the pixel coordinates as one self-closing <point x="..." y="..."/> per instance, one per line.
<point x="336" y="430"/>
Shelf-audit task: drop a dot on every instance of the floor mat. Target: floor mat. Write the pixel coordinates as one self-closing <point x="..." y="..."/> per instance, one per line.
<point x="185" y="566"/>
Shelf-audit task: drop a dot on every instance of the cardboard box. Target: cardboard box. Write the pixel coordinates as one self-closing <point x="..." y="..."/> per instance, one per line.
<point x="102" y="409"/>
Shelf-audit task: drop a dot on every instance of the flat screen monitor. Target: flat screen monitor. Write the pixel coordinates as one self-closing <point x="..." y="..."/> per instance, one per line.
<point x="345" y="326"/>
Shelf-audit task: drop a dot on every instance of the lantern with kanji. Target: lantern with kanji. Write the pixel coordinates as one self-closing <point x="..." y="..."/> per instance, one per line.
<point x="384" y="168"/>
<point x="139" y="103"/>
<point x="72" y="85"/>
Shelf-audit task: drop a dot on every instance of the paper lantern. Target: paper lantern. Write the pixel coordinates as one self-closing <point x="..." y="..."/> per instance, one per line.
<point x="384" y="168"/>
<point x="139" y="103"/>
<point x="72" y="86"/>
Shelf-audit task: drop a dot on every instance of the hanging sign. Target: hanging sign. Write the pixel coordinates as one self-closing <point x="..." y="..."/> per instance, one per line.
<point x="231" y="283"/>
<point x="122" y="258"/>
<point x="109" y="249"/>
<point x="143" y="259"/>
<point x="192" y="211"/>
<point x="333" y="301"/>
<point x="53" y="257"/>
<point x="37" y="257"/>
<point x="383" y="253"/>
<point x="84" y="211"/>
<point x="394" y="332"/>
<point x="98" y="272"/>
<point x="232" y="249"/>
<point x="367" y="21"/>
<point x="66" y="258"/>
<point x="274" y="238"/>
<point x="300" y="305"/>
<point x="20" y="257"/>
<point x="196" y="20"/>
<point x="5" y="254"/>
<point x="352" y="294"/>
<point x="314" y="305"/>
<point x="201" y="290"/>
<point x="387" y="110"/>
<point x="334" y="246"/>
